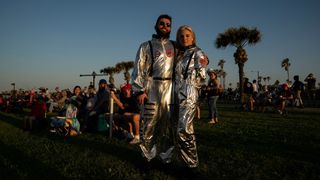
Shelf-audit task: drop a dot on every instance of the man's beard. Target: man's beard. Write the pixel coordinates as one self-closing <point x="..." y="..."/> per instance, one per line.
<point x="162" y="34"/>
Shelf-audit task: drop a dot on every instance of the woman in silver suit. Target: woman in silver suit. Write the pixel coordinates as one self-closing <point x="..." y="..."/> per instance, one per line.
<point x="190" y="76"/>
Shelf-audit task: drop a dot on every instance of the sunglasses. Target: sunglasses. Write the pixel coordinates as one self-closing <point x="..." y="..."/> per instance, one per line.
<point x="164" y="24"/>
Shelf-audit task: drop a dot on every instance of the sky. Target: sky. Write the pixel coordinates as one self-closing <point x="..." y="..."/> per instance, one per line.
<point x="49" y="43"/>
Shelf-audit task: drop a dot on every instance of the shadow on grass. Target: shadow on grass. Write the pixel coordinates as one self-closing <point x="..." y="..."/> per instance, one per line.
<point x="254" y="139"/>
<point x="113" y="147"/>
<point x="130" y="154"/>
<point x="11" y="119"/>
<point x="16" y="164"/>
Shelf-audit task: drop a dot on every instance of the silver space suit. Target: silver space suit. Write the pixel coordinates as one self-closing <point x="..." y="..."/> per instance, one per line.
<point x="190" y="75"/>
<point x="154" y="77"/>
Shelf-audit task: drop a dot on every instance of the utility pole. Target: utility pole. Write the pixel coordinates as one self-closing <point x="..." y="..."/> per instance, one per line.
<point x="93" y="74"/>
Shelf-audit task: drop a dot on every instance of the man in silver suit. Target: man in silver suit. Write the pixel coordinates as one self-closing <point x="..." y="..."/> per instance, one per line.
<point x="152" y="80"/>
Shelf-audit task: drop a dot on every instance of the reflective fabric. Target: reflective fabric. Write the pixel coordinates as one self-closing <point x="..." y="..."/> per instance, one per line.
<point x="156" y="122"/>
<point x="187" y="90"/>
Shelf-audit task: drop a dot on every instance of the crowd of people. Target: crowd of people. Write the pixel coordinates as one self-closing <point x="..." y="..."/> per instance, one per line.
<point x="158" y="109"/>
<point x="257" y="97"/>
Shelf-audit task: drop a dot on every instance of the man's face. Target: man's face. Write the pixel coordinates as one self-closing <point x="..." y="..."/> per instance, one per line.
<point x="102" y="86"/>
<point x="164" y="27"/>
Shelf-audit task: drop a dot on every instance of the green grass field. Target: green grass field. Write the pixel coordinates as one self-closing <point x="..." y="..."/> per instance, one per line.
<point x="243" y="145"/>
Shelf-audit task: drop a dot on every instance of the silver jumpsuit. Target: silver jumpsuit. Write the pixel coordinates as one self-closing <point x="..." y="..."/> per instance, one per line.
<point x="188" y="83"/>
<point x="156" y="120"/>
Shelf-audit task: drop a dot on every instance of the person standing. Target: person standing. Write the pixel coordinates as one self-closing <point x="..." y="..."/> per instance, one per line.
<point x="190" y="76"/>
<point x="297" y="88"/>
<point x="311" y="86"/>
<point x="247" y="101"/>
<point x="213" y="95"/>
<point x="152" y="84"/>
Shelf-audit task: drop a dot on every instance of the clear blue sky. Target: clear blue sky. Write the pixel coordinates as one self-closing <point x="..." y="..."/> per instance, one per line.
<point x="51" y="42"/>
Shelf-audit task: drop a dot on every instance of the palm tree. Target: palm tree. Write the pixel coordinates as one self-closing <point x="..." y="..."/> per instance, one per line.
<point x="285" y="64"/>
<point x="239" y="38"/>
<point x="126" y="66"/>
<point x="268" y="79"/>
<point x="224" y="74"/>
<point x="110" y="71"/>
<point x="259" y="80"/>
<point x="221" y="63"/>
<point x="14" y="86"/>
<point x="265" y="79"/>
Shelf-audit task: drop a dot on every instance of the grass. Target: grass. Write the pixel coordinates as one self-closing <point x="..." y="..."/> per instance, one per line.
<point x="243" y="145"/>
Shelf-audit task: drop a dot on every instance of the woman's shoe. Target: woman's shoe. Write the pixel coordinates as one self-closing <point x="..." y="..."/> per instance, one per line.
<point x="212" y="121"/>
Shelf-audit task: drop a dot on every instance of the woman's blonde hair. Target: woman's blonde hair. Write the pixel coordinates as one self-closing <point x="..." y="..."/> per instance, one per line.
<point x="185" y="27"/>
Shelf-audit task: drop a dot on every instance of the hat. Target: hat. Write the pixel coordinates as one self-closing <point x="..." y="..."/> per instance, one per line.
<point x="126" y="87"/>
<point x="210" y="70"/>
<point x="102" y="81"/>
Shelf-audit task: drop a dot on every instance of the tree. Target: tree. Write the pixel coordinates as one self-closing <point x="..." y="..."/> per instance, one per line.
<point x="110" y="71"/>
<point x="285" y="64"/>
<point x="223" y="73"/>
<point x="265" y="79"/>
<point x="239" y="38"/>
<point x="221" y="63"/>
<point x="268" y="79"/>
<point x="126" y="66"/>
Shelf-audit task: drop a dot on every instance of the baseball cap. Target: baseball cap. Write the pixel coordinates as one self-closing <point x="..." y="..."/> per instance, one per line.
<point x="102" y="81"/>
<point x="126" y="87"/>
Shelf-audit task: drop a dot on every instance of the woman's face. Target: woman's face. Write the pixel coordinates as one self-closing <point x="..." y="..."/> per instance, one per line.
<point x="77" y="91"/>
<point x="186" y="38"/>
<point x="213" y="76"/>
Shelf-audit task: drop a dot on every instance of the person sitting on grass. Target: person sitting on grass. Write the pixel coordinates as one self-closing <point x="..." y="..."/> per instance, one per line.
<point x="130" y="112"/>
<point x="284" y="96"/>
<point x="68" y="124"/>
<point x="100" y="106"/>
<point x="37" y="114"/>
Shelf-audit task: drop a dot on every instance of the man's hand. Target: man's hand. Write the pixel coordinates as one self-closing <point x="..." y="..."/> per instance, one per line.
<point x="92" y="113"/>
<point x="141" y="98"/>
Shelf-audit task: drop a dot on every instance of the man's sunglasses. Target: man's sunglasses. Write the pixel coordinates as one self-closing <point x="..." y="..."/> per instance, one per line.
<point x="164" y="24"/>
